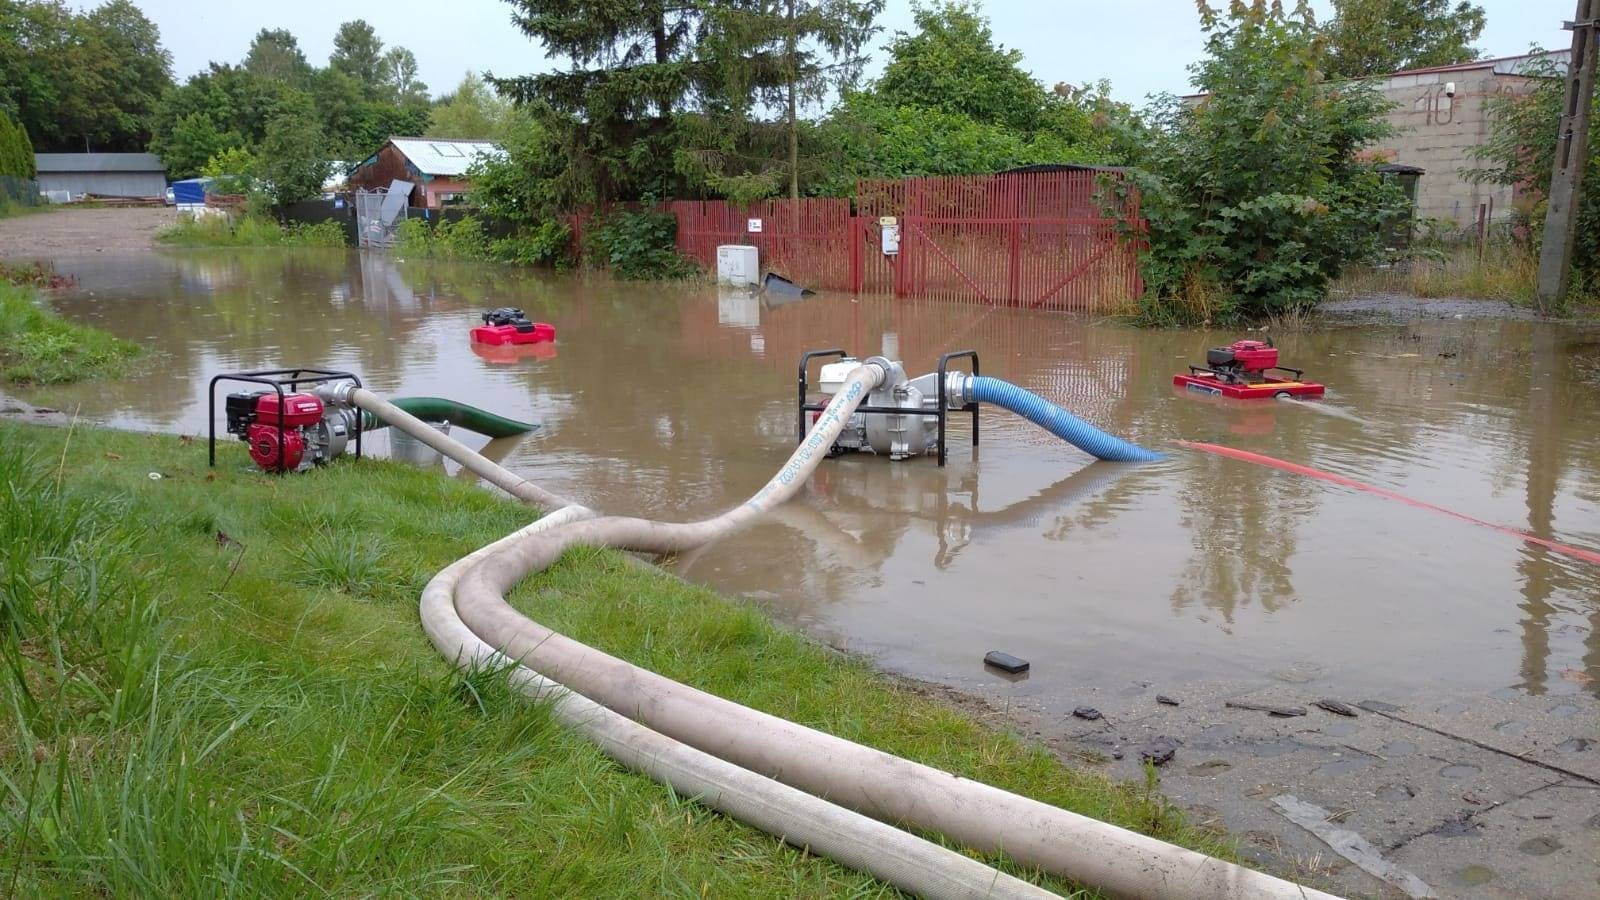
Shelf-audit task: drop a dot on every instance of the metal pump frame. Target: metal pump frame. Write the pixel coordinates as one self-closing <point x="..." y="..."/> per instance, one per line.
<point x="942" y="413"/>
<point x="276" y="379"/>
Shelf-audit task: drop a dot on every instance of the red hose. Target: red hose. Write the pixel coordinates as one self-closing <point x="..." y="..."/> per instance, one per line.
<point x="1588" y="556"/>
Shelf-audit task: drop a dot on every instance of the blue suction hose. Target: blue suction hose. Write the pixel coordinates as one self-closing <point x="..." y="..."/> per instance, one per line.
<point x="1055" y="420"/>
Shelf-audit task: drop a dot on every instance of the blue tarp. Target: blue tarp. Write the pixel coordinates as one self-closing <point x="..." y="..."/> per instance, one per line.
<point x="190" y="190"/>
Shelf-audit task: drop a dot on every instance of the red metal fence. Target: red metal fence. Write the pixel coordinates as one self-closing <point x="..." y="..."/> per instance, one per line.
<point x="1037" y="240"/>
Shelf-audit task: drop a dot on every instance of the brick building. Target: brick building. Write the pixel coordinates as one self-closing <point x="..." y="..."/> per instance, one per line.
<point x="1439" y="116"/>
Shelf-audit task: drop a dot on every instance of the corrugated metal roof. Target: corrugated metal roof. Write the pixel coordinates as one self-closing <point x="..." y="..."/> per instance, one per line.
<point x="99" y="162"/>
<point x="433" y="156"/>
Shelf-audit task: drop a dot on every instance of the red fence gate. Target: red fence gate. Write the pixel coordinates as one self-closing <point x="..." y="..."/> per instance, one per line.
<point x="1032" y="239"/>
<point x="1047" y="240"/>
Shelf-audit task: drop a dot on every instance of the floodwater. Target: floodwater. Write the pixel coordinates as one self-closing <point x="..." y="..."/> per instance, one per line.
<point x="675" y="402"/>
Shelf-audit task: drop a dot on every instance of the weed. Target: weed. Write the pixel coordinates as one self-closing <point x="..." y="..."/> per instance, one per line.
<point x="39" y="347"/>
<point x="250" y="230"/>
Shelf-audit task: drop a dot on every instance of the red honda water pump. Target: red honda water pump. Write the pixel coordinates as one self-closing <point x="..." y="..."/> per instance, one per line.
<point x="289" y="432"/>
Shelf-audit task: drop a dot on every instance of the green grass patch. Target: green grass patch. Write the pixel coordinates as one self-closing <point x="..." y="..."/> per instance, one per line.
<point x="39" y="347"/>
<point x="248" y="230"/>
<point x="10" y="209"/>
<point x="217" y="685"/>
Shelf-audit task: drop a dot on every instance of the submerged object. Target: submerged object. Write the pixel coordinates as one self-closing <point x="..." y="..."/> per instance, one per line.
<point x="776" y="285"/>
<point x="1243" y="371"/>
<point x="510" y="325"/>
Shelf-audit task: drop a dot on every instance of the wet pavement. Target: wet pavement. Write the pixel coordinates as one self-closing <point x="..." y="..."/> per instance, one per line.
<point x="1201" y="578"/>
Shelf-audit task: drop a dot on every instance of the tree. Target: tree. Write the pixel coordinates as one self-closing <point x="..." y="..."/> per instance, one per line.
<point x="292" y="160"/>
<point x="81" y="81"/>
<point x="633" y="65"/>
<point x="786" y="53"/>
<point x="400" y="75"/>
<point x="275" y="54"/>
<point x="472" y="110"/>
<point x="16" y="151"/>
<point x="224" y="106"/>
<point x="1258" y="196"/>
<point x="358" y="53"/>
<point x="192" y="141"/>
<point x="1374" y="37"/>
<point x="952" y="64"/>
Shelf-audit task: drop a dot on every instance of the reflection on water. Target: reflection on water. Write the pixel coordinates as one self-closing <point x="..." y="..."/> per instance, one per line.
<point x="676" y="401"/>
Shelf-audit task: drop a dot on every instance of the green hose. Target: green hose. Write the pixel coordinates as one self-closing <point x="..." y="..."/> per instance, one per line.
<point x="438" y="409"/>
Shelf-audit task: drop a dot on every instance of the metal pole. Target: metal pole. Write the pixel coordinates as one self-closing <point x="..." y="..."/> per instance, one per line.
<point x="1572" y="153"/>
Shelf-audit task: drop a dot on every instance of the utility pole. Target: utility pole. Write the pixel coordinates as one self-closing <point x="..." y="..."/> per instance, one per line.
<point x="1572" y="156"/>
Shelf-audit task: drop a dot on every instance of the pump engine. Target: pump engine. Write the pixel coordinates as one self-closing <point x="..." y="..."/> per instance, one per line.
<point x="293" y="436"/>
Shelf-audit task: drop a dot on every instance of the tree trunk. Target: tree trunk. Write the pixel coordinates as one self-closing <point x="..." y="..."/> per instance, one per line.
<point x="794" y="117"/>
<point x="658" y="31"/>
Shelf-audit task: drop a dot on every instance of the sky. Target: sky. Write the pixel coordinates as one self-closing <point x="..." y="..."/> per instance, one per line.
<point x="1141" y="46"/>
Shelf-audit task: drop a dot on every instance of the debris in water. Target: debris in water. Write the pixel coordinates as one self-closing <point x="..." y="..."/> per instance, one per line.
<point x="1087" y="712"/>
<point x="1164" y="700"/>
<point x="1282" y="712"/>
<point x="1005" y="662"/>
<point x="1337" y="708"/>
<point x="1158" y="751"/>
<point x="1349" y="845"/>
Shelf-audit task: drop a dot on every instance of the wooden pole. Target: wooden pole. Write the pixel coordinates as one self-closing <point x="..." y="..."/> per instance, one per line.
<point x="1572" y="155"/>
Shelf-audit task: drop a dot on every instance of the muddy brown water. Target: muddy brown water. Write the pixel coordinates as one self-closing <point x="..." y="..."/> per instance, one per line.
<point x="675" y="402"/>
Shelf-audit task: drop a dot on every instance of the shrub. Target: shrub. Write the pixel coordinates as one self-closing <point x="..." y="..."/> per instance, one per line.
<point x="547" y="244"/>
<point x="1255" y="197"/>
<point x="639" y="246"/>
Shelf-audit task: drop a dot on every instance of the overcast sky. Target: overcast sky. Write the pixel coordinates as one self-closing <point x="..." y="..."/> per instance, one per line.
<point x="1142" y="46"/>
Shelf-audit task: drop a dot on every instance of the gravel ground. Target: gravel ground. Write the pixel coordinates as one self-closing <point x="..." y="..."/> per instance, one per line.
<point x="71" y="232"/>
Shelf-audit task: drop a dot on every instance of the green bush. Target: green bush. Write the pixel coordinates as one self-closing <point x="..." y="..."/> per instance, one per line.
<point x="546" y="244"/>
<point x="639" y="246"/>
<point x="1255" y="196"/>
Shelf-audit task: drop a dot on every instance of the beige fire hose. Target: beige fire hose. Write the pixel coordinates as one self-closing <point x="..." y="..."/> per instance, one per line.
<point x="477" y="625"/>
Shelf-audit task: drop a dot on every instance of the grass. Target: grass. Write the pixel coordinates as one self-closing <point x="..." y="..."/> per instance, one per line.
<point x="246" y="230"/>
<point x="1506" y="271"/>
<point x="10" y="209"/>
<point x="216" y="685"/>
<point x="39" y="347"/>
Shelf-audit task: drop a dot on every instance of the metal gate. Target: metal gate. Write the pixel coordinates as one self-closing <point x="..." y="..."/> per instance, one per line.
<point x="380" y="212"/>
<point x="1031" y="239"/>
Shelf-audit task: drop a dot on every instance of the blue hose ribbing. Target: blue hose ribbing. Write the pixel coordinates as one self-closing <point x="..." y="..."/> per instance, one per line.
<point x="1055" y="420"/>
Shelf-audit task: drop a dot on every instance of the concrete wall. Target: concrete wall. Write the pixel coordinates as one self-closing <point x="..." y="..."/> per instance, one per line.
<point x="105" y="184"/>
<point x="1437" y="133"/>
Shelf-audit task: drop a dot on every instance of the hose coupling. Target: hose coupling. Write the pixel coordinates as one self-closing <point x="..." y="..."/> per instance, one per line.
<point x="955" y="389"/>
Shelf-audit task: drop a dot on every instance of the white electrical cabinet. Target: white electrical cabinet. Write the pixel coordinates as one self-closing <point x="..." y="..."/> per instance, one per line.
<point x="738" y="264"/>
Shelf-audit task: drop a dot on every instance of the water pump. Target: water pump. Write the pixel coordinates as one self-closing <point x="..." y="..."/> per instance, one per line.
<point x="290" y="432"/>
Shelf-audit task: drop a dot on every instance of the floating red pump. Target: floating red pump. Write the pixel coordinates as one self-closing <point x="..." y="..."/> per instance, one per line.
<point x="1242" y="370"/>
<point x="509" y="325"/>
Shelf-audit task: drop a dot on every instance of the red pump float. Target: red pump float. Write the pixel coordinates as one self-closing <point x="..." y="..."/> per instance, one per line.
<point x="509" y="325"/>
<point x="1242" y="370"/>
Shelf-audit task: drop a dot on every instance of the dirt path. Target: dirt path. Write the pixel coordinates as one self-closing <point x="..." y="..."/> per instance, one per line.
<point x="69" y="232"/>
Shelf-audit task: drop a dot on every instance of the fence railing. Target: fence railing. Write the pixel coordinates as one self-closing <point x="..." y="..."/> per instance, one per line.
<point x="16" y="191"/>
<point x="1051" y="240"/>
